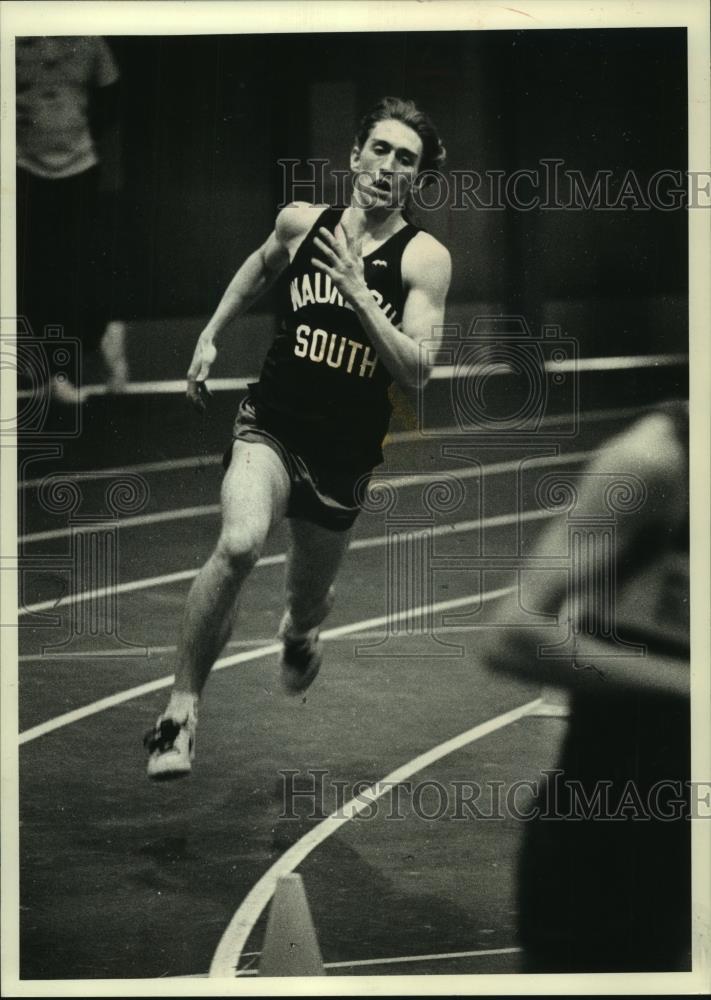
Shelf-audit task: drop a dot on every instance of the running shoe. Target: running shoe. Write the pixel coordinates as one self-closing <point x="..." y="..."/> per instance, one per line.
<point x="171" y="748"/>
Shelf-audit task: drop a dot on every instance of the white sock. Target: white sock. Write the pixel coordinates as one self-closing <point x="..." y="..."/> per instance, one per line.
<point x="182" y="705"/>
<point x="289" y="631"/>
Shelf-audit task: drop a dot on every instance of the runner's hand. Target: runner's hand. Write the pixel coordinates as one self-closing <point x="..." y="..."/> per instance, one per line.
<point x="343" y="262"/>
<point x="203" y="358"/>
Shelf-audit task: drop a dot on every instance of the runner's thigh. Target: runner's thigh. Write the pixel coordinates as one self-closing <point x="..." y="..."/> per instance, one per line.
<point x="255" y="490"/>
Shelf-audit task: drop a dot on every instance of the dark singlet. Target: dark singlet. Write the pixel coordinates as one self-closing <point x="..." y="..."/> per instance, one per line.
<point x="323" y="388"/>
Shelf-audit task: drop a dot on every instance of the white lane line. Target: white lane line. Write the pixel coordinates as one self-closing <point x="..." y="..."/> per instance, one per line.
<point x="401" y="960"/>
<point x="165" y="465"/>
<point x="476" y="471"/>
<point x="123" y="588"/>
<point x="146" y="583"/>
<point x="620" y="363"/>
<point x="431" y="434"/>
<point x="164" y="387"/>
<point x="177" y="386"/>
<point x="198" y="461"/>
<point x="395" y="482"/>
<point x="226" y="958"/>
<point x="138" y="521"/>
<point x="252" y="654"/>
<point x="51" y="656"/>
<point x="484" y="952"/>
<point x="90" y="655"/>
<point x="397" y="437"/>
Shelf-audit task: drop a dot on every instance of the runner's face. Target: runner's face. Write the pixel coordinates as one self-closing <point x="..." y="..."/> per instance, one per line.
<point x="387" y="165"/>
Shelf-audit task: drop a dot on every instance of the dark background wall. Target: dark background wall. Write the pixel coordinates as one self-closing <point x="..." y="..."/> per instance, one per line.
<point x="204" y="121"/>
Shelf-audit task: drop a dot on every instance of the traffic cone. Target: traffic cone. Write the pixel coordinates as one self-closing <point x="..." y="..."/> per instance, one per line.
<point x="290" y="943"/>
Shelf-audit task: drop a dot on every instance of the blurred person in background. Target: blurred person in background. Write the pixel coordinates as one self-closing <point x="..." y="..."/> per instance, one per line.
<point x="67" y="104"/>
<point x="608" y="889"/>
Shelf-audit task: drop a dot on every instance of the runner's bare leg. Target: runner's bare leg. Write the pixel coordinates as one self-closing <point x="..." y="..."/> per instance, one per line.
<point x="255" y="491"/>
<point x="314" y="557"/>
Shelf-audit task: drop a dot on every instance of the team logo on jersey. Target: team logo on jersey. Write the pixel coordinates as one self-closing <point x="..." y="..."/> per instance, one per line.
<point x="380" y="263"/>
<point x="311" y="288"/>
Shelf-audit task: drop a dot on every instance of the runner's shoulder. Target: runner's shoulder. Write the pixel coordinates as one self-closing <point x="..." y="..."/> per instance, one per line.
<point x="296" y="219"/>
<point x="425" y="256"/>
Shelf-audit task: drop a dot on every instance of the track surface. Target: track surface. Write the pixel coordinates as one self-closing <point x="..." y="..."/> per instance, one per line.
<point x="121" y="878"/>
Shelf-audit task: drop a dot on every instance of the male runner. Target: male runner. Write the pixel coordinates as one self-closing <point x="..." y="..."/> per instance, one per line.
<point x="364" y="287"/>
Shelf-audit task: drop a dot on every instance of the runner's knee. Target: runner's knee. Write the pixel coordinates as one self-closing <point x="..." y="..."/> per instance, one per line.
<point x="240" y="547"/>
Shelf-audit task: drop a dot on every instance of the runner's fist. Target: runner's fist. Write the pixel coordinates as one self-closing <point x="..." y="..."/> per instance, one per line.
<point x="203" y="358"/>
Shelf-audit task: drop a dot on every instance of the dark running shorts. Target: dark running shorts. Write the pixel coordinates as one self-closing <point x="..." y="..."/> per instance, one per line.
<point x="326" y="497"/>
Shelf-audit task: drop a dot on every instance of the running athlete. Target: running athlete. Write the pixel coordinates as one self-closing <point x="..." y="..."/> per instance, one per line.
<point x="364" y="288"/>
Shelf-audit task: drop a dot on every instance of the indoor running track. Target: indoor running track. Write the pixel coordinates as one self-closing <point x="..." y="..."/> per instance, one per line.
<point x="124" y="878"/>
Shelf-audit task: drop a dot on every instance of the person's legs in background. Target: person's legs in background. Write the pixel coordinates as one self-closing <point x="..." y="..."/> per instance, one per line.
<point x="61" y="273"/>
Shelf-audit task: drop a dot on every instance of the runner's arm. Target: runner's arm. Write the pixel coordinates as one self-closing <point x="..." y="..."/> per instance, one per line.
<point x="649" y="452"/>
<point x="426" y="272"/>
<point x="252" y="279"/>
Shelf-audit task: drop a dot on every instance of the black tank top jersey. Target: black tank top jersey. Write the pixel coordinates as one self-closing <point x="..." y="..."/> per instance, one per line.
<point x="322" y="386"/>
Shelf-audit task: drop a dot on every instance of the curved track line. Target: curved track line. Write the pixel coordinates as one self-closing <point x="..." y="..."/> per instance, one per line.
<point x="408" y="479"/>
<point x="177" y="386"/>
<point x="251" y="654"/>
<point x="137" y="521"/>
<point x="204" y="461"/>
<point x="51" y="655"/>
<point x="397" y="437"/>
<point x="401" y="960"/>
<point x="226" y="959"/>
<point x="500" y="520"/>
<point x="164" y="387"/>
<point x="575" y="365"/>
<point x="146" y="583"/>
<point x="163" y="465"/>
